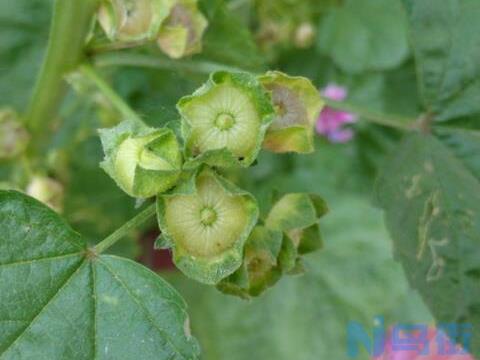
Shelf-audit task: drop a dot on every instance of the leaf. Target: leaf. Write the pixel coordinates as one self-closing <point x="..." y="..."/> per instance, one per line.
<point x="365" y="35"/>
<point x="447" y="53"/>
<point x="305" y="318"/>
<point x="60" y="301"/>
<point x="431" y="199"/>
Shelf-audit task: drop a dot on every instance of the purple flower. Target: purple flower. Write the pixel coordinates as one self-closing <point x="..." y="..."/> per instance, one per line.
<point x="331" y="123"/>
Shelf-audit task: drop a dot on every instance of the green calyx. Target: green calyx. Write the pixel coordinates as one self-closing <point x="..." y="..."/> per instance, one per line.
<point x="13" y="135"/>
<point x="206" y="220"/>
<point x="181" y="33"/>
<point x="298" y="105"/>
<point x="259" y="269"/>
<point x="133" y="20"/>
<point x="224" y="122"/>
<point x="142" y="161"/>
<point x="297" y="216"/>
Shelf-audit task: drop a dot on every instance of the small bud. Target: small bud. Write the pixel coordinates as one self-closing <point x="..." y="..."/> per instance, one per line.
<point x="207" y="221"/>
<point x="142" y="161"/>
<point x="224" y="122"/>
<point x="297" y="216"/>
<point x="304" y="35"/>
<point x="13" y="136"/>
<point x="298" y="105"/>
<point x="259" y="270"/>
<point x="181" y="34"/>
<point x="133" y="20"/>
<point x="48" y="191"/>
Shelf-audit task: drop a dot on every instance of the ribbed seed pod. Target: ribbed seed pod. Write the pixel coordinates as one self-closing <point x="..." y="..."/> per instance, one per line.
<point x="206" y="221"/>
<point x="298" y="105"/>
<point x="224" y="122"/>
<point x="13" y="136"/>
<point x="297" y="216"/>
<point x="142" y="161"/>
<point x="259" y="269"/>
<point x="133" y="20"/>
<point x="181" y="33"/>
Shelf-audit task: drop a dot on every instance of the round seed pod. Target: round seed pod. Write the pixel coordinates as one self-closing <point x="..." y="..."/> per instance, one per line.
<point x="206" y="221"/>
<point x="259" y="269"/>
<point x="133" y="20"/>
<point x="142" y="161"/>
<point x="13" y="136"/>
<point x="224" y="122"/>
<point x="298" y="105"/>
<point x="181" y="33"/>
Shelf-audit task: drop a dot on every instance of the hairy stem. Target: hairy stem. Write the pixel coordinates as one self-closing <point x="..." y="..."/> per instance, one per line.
<point x="156" y="62"/>
<point x="107" y="91"/>
<point x="72" y="20"/>
<point x="139" y="219"/>
<point x="389" y="120"/>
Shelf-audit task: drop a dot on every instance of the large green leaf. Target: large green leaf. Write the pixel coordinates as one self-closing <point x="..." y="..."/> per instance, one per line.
<point x="431" y="195"/>
<point x="305" y="317"/>
<point x="60" y="301"/>
<point x="365" y="35"/>
<point x="445" y="41"/>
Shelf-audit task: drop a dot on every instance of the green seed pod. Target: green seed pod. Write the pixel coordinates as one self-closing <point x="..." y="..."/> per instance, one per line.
<point x="181" y="33"/>
<point x="47" y="190"/>
<point x="206" y="221"/>
<point x="297" y="216"/>
<point x="133" y="20"/>
<point x="13" y="136"/>
<point x="224" y="122"/>
<point x="142" y="161"/>
<point x="260" y="269"/>
<point x="298" y="105"/>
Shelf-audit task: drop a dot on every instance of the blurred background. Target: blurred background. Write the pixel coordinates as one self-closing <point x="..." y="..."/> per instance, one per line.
<point x="357" y="50"/>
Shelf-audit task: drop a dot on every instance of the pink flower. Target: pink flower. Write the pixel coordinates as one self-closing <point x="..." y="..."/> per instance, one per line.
<point x="331" y="123"/>
<point x="436" y="345"/>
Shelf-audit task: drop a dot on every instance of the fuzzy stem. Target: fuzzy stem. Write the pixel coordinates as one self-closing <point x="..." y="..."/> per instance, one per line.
<point x="110" y="94"/>
<point x="72" y="20"/>
<point x="125" y="229"/>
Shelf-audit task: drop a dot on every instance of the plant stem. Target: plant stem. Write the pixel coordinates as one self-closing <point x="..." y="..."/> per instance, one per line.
<point x="71" y="23"/>
<point x="395" y="121"/>
<point x="125" y="229"/>
<point x="131" y="59"/>
<point x="110" y="94"/>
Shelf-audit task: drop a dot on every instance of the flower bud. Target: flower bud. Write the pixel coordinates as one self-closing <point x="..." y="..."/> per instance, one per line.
<point x="259" y="269"/>
<point x="13" y="136"/>
<point x="48" y="191"/>
<point x="207" y="221"/>
<point x="142" y="161"/>
<point x="298" y="105"/>
<point x="304" y="35"/>
<point x="224" y="122"/>
<point x="181" y="33"/>
<point x="297" y="216"/>
<point x="133" y="20"/>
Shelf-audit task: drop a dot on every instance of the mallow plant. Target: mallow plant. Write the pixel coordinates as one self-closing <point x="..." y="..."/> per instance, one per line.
<point x="63" y="298"/>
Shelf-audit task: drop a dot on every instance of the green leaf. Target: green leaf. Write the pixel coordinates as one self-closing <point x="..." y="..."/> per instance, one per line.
<point x="431" y="198"/>
<point x="59" y="300"/>
<point x="446" y="49"/>
<point x="365" y="35"/>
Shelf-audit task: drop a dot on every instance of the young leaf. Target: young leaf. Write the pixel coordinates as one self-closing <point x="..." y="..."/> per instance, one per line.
<point x="445" y="44"/>
<point x="432" y="203"/>
<point x="59" y="300"/>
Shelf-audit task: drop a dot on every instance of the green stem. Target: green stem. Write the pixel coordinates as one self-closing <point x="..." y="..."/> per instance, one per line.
<point x="125" y="229"/>
<point x="124" y="109"/>
<point x="156" y="62"/>
<point x="395" y="121"/>
<point x="72" y="20"/>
